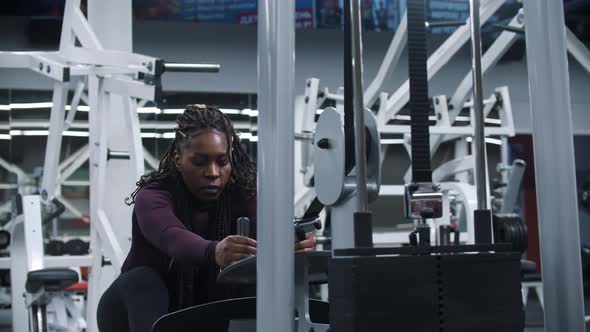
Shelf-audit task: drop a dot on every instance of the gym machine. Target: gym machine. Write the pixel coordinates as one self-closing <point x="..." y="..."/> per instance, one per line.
<point x="446" y="124"/>
<point x="282" y="253"/>
<point x="457" y="277"/>
<point x="543" y="25"/>
<point x="50" y="283"/>
<point x="435" y="287"/>
<point x="95" y="54"/>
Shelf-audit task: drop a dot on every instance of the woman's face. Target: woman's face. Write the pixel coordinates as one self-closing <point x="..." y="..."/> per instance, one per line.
<point x="204" y="164"/>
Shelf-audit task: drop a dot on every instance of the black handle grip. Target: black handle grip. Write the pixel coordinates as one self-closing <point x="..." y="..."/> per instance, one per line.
<point x="299" y="234"/>
<point x="302" y="227"/>
<point x="243" y="227"/>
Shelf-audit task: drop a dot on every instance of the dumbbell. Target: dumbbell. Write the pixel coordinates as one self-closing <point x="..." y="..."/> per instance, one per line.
<point x="76" y="247"/>
<point x="55" y="248"/>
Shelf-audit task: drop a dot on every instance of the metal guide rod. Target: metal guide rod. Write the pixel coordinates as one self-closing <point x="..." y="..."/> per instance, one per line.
<point x="349" y="152"/>
<point x="443" y="24"/>
<point x="359" y="114"/>
<point x="191" y="67"/>
<point x="479" y="139"/>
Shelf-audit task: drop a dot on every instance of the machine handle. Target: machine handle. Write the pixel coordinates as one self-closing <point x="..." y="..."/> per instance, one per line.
<point x="304" y="226"/>
<point x="243" y="227"/>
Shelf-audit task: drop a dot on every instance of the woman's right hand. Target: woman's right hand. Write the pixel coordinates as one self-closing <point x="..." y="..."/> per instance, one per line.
<point x="234" y="248"/>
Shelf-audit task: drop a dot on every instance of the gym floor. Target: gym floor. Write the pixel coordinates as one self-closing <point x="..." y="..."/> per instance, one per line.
<point x="534" y="317"/>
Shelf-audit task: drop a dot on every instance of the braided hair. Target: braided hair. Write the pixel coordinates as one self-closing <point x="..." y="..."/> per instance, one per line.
<point x="194" y="120"/>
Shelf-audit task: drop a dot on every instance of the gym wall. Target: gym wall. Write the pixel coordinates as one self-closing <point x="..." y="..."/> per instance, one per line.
<point x="318" y="54"/>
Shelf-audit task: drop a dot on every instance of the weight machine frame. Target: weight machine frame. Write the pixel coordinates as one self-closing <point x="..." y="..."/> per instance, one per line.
<point x="556" y="34"/>
<point x="103" y="64"/>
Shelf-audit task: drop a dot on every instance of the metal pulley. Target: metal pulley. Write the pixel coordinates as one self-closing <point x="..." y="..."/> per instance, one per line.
<point x="332" y="182"/>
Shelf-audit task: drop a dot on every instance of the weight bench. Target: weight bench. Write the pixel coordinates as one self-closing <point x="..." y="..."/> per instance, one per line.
<point x="238" y="314"/>
<point x="231" y="315"/>
<point x="42" y="286"/>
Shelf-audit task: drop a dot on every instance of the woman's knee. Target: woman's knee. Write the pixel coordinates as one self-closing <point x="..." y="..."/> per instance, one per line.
<point x="135" y="300"/>
<point x="146" y="298"/>
<point x="111" y="314"/>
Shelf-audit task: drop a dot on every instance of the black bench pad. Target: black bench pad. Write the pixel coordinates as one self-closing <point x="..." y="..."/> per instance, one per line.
<point x="214" y="316"/>
<point x="52" y="280"/>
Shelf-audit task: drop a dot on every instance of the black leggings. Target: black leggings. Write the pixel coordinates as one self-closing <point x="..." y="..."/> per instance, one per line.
<point x="133" y="303"/>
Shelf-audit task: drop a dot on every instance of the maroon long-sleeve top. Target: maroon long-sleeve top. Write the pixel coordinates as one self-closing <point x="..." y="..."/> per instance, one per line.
<point x="158" y="234"/>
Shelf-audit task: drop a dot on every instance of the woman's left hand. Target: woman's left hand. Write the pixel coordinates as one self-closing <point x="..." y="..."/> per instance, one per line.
<point x="306" y="245"/>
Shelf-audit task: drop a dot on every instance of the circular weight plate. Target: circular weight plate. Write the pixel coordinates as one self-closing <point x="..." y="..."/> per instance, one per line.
<point x="525" y="231"/>
<point x="517" y="239"/>
<point x="55" y="248"/>
<point x="523" y="239"/>
<point x="76" y="247"/>
<point x="518" y="235"/>
<point x="510" y="233"/>
<point x="329" y="152"/>
<point x="499" y="232"/>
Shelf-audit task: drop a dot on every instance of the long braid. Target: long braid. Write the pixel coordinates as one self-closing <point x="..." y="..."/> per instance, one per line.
<point x="195" y="119"/>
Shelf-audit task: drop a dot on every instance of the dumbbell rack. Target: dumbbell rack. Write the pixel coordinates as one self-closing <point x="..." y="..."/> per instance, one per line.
<point x="27" y="254"/>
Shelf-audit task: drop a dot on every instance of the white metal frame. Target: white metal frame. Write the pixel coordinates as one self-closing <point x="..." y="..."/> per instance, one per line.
<point x="444" y="130"/>
<point x="27" y="254"/>
<point x="22" y="182"/>
<point x="23" y="186"/>
<point x="84" y="61"/>
<point x="446" y="118"/>
<point x="435" y="62"/>
<point x="463" y="163"/>
<point x="102" y="72"/>
<point x="577" y="49"/>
